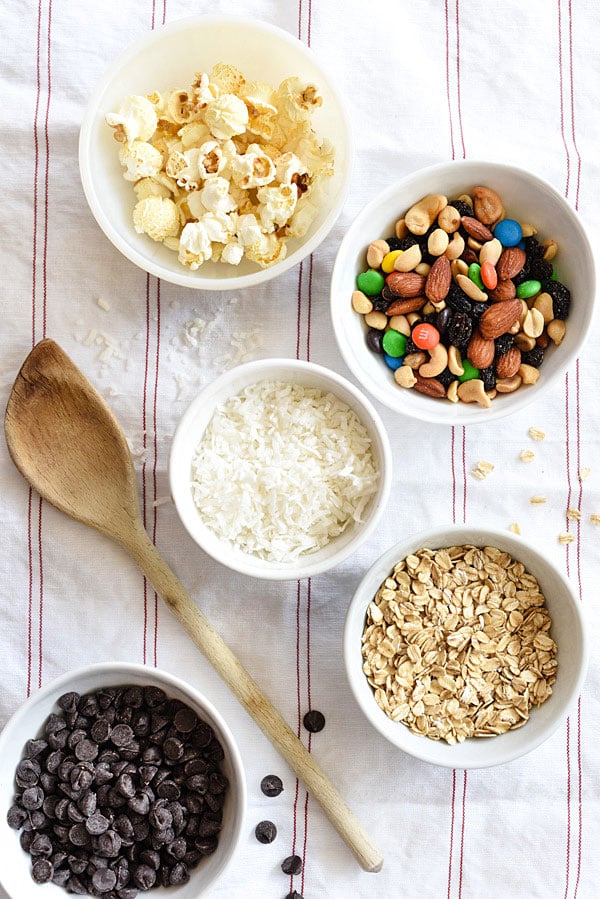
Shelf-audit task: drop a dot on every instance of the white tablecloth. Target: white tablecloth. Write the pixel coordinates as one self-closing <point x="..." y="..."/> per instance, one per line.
<point x="425" y="82"/>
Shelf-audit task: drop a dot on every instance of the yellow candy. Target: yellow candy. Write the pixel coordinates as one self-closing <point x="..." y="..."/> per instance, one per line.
<point x="388" y="261"/>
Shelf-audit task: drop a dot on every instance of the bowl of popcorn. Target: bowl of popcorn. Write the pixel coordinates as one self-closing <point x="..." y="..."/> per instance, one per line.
<point x="117" y="779"/>
<point x="463" y="292"/>
<point x="280" y="469"/>
<point x="215" y="152"/>
<point x="465" y="647"/>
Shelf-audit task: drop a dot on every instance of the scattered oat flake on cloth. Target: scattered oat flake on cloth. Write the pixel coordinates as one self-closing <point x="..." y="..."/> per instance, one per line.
<point x="574" y="514"/>
<point x="538" y="500"/>
<point x="536" y="434"/>
<point x="566" y="538"/>
<point x="584" y="473"/>
<point x="595" y="518"/>
<point x="527" y="456"/>
<point x="482" y="470"/>
<point x="515" y="528"/>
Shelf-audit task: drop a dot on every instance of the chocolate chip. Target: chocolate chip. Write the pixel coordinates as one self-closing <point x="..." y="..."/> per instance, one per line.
<point x="28" y="773"/>
<point x="68" y="702"/>
<point x="271" y="785"/>
<point x="86" y="750"/>
<point x="34" y="748"/>
<point x="42" y="870"/>
<point x="97" y="824"/>
<point x="121" y="735"/>
<point x="314" y="721"/>
<point x="185" y="720"/>
<point x="16" y="817"/>
<point x="104" y="880"/>
<point x="294" y="895"/>
<point x="32" y="798"/>
<point x="144" y="877"/>
<point x="265" y="832"/>
<point x="78" y="835"/>
<point x="41" y="845"/>
<point x="292" y="865"/>
<point x="179" y="874"/>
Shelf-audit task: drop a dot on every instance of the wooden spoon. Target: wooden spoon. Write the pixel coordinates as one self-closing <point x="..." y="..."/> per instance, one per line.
<point x="66" y="442"/>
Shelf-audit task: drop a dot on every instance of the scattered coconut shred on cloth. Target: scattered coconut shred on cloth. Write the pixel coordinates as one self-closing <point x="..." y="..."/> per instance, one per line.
<point x="282" y="469"/>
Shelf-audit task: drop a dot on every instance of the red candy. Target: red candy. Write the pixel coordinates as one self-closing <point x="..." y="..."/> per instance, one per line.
<point x="425" y="336"/>
<point x="489" y="275"/>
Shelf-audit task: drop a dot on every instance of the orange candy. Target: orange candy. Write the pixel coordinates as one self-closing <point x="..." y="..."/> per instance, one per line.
<point x="489" y="275"/>
<point x="425" y="336"/>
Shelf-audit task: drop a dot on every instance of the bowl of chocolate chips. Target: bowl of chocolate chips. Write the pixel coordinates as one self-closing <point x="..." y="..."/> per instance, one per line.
<point x="117" y="779"/>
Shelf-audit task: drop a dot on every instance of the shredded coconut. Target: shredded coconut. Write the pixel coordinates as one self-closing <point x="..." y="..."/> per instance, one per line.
<point x="282" y="469"/>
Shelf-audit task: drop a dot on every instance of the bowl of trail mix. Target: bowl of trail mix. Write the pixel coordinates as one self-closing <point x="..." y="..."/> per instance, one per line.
<point x="463" y="292"/>
<point x="215" y="152"/>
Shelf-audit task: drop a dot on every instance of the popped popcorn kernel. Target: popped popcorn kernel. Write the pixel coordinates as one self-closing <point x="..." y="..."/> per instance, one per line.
<point x="158" y="217"/>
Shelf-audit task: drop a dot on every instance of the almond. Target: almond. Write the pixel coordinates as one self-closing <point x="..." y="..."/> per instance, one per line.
<point x="499" y="318"/>
<point x="476" y="229"/>
<point x="403" y="307"/>
<point x="406" y="284"/>
<point x="504" y="290"/>
<point x="438" y="280"/>
<point x="480" y="351"/>
<point x="487" y="205"/>
<point x="509" y="363"/>
<point x="429" y="386"/>
<point x="510" y="263"/>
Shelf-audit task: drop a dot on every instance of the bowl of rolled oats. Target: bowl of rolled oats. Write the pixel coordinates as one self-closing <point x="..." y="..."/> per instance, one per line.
<point x="215" y="152"/>
<point x="463" y="292"/>
<point x="465" y="647"/>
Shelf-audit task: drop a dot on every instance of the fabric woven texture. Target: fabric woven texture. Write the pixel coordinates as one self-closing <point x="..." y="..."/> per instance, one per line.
<point x="425" y="83"/>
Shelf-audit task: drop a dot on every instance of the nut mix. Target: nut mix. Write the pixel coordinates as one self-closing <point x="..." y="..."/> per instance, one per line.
<point x="123" y="791"/>
<point x="462" y="302"/>
<point x="456" y="643"/>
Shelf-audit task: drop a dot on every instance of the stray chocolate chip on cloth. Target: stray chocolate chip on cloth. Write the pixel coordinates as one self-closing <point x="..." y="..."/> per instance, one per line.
<point x="314" y="721"/>
<point x="271" y="785"/>
<point x="123" y="793"/>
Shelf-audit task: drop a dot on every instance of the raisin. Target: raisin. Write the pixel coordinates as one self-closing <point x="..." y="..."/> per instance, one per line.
<point x="411" y="347"/>
<point x="401" y="243"/>
<point x="461" y="207"/>
<point x="458" y="300"/>
<point x="478" y="310"/>
<point x="541" y="270"/>
<point x="460" y="330"/>
<point x="504" y="344"/>
<point x="534" y="357"/>
<point x="380" y="303"/>
<point x="446" y="377"/>
<point x="488" y="376"/>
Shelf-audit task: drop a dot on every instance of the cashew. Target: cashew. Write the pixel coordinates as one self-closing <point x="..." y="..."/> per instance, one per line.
<point x="361" y="303"/>
<point x="400" y="323"/>
<point x="509" y="385"/>
<point x="458" y="267"/>
<point x="528" y="230"/>
<point x="404" y="376"/>
<point x="409" y="259"/>
<point x="492" y="393"/>
<point x="556" y="330"/>
<point x="524" y="342"/>
<point x="490" y="251"/>
<point x="437" y="243"/>
<point x="452" y="392"/>
<point x="423" y="268"/>
<point x="455" y="361"/>
<point x="529" y="374"/>
<point x="550" y="250"/>
<point x="473" y="391"/>
<point x="400" y="229"/>
<point x="449" y="219"/>
<point x="456" y="247"/>
<point x="376" y="320"/>
<point x="470" y="288"/>
<point x="376" y="251"/>
<point x="533" y="324"/>
<point x="423" y="214"/>
<point x="438" y="360"/>
<point x="543" y="302"/>
<point x="415" y="360"/>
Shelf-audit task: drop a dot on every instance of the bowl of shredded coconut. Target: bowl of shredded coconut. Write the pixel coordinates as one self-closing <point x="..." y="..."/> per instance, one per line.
<point x="215" y="152"/>
<point x="280" y="469"/>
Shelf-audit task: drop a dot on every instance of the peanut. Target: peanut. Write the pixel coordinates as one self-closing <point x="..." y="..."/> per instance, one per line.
<point x="409" y="259"/>
<point x="421" y="216"/>
<point x="449" y="219"/>
<point x="470" y="288"/>
<point x="400" y="229"/>
<point x="361" y="303"/>
<point x="415" y="360"/>
<point x="550" y="250"/>
<point x="455" y="361"/>
<point x="543" y="302"/>
<point x="376" y="320"/>
<point x="529" y="374"/>
<point x="400" y="323"/>
<point x="452" y="392"/>
<point x="556" y="331"/>
<point x="437" y="243"/>
<point x="490" y="251"/>
<point x="533" y="324"/>
<point x="404" y="376"/>
<point x="456" y="247"/>
<point x="376" y="251"/>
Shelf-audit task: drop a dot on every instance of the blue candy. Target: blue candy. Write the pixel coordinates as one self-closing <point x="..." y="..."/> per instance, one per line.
<point x="393" y="362"/>
<point x="508" y="232"/>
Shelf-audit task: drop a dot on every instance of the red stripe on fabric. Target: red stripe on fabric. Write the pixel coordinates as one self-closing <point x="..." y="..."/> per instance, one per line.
<point x="304" y="845"/>
<point x="298" y="720"/>
<point x="448" y="86"/>
<point x="299" y="19"/>
<point x="579" y="802"/>
<point x="309" y="21"/>
<point x="155" y="462"/>
<point x="568" y="467"/>
<point x="310" y="276"/>
<point x="562" y="108"/>
<point x="47" y="174"/>
<point x="578" y="182"/>
<point x="462" y="836"/>
<point x="452" y="442"/>
<point x="309" y="701"/>
<point x="568" y="859"/>
<point x="144" y="446"/>
<point x="464" y="468"/>
<point x="460" y="125"/>
<point x="30" y="593"/>
<point x="299" y="311"/>
<point x="36" y="161"/>
<point x="451" y="850"/>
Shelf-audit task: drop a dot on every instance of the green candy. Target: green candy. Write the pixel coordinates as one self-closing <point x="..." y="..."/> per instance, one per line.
<point x="370" y="282"/>
<point x="528" y="289"/>
<point x="394" y="343"/>
<point x="475" y="275"/>
<point x="470" y="372"/>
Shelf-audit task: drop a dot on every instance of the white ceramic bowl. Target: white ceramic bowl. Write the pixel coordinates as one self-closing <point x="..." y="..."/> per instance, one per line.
<point x="527" y="198"/>
<point x="189" y="434"/>
<point x="568" y="631"/>
<point x="168" y="58"/>
<point x="26" y="723"/>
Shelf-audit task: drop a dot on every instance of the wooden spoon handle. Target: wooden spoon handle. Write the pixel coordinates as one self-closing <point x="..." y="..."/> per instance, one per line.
<point x="228" y="666"/>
